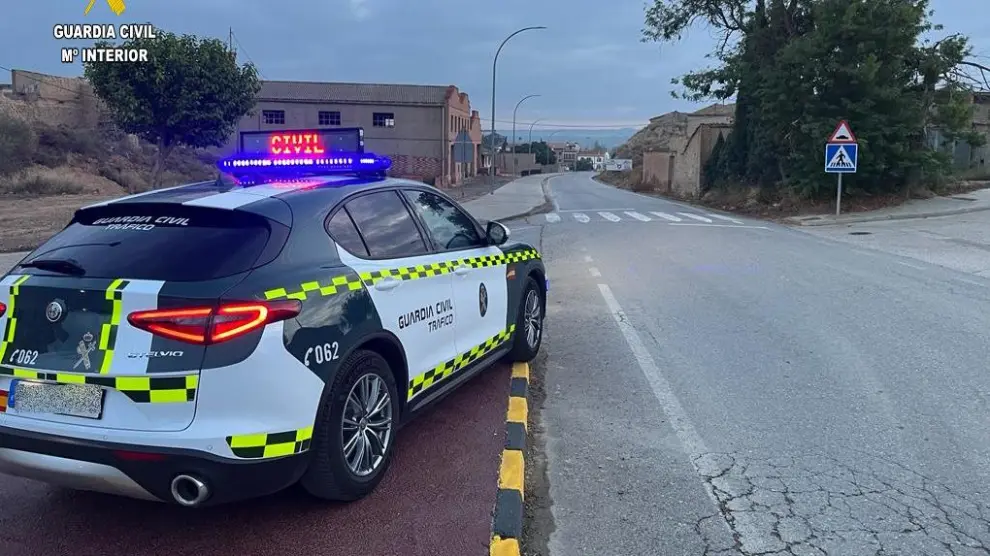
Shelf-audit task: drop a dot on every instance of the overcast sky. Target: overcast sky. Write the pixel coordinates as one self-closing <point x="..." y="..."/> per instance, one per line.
<point x="589" y="65"/>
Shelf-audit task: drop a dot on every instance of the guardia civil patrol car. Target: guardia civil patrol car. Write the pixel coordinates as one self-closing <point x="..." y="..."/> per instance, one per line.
<point x="229" y="339"/>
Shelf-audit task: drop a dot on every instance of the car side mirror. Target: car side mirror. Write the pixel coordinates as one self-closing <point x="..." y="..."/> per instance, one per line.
<point x="497" y="233"/>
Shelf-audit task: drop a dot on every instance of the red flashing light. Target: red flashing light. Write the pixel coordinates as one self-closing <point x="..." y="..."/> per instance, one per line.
<point x="213" y="325"/>
<point x="296" y="144"/>
<point x="3" y="308"/>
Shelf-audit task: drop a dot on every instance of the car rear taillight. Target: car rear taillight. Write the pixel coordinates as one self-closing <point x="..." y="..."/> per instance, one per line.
<point x="212" y="325"/>
<point x="3" y="309"/>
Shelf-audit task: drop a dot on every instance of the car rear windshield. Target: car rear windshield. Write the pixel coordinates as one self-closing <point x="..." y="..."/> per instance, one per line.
<point x="167" y="242"/>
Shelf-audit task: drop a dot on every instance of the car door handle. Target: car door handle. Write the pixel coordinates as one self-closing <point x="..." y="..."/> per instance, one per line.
<point x="461" y="270"/>
<point x="387" y="284"/>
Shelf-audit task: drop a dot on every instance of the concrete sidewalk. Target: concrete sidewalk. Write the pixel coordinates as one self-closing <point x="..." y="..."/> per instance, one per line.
<point x="962" y="203"/>
<point x="518" y="198"/>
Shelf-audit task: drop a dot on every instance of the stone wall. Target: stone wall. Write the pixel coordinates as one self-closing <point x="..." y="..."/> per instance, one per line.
<point x="657" y="170"/>
<point x="52" y="100"/>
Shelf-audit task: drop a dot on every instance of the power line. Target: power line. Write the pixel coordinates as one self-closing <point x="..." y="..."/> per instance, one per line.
<point x="244" y="50"/>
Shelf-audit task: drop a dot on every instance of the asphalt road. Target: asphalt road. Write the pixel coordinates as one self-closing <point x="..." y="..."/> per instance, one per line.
<point x="723" y="388"/>
<point x="436" y="501"/>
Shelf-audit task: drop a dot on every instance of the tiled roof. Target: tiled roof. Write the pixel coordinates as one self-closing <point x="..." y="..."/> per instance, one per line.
<point x="353" y="93"/>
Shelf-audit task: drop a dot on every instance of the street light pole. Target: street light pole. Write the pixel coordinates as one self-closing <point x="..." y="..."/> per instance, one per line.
<point x="514" y="166"/>
<point x="491" y="173"/>
<point x="549" y="148"/>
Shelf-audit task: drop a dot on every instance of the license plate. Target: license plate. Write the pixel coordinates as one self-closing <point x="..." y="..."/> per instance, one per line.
<point x="76" y="400"/>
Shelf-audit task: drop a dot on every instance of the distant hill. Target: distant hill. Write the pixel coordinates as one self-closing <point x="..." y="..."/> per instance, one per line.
<point x="608" y="138"/>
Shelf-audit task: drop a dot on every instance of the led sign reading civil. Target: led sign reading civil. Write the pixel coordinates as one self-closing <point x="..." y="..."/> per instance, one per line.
<point x="303" y="142"/>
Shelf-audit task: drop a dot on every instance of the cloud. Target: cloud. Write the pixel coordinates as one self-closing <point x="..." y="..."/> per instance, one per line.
<point x="360" y="9"/>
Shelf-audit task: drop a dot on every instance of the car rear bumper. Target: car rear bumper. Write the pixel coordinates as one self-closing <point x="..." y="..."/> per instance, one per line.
<point x="139" y="471"/>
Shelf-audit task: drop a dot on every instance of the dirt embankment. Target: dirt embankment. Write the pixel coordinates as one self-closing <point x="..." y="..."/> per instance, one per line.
<point x="46" y="173"/>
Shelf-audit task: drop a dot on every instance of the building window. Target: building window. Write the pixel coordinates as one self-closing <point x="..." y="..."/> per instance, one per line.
<point x="273" y="117"/>
<point x="383" y="119"/>
<point x="329" y="118"/>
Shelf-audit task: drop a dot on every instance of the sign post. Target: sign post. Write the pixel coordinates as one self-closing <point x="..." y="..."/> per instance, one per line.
<point x="841" y="157"/>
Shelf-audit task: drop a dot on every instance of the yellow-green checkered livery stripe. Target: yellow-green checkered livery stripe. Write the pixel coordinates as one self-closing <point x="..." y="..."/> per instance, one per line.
<point x="11" y="327"/>
<point x="140" y="389"/>
<point x="108" y="332"/>
<point x="443" y="371"/>
<point x="271" y="444"/>
<point x="344" y="283"/>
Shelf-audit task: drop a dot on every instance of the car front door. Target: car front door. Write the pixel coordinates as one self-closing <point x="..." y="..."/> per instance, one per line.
<point x="479" y="280"/>
<point x="406" y="280"/>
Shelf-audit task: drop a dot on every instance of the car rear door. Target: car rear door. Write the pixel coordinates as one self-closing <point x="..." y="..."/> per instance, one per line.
<point x="479" y="281"/>
<point x="67" y="312"/>
<point x="409" y="284"/>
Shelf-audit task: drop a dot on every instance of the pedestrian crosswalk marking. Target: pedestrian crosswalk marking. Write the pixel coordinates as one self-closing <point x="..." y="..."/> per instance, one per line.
<point x="726" y="218"/>
<point x="628" y="215"/>
<point x="665" y="216"/>
<point x="695" y="216"/>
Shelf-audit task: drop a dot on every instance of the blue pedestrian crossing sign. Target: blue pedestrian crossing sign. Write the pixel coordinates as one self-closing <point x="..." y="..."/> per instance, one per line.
<point x="841" y="158"/>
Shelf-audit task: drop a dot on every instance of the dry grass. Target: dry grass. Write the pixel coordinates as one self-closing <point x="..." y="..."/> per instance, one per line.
<point x="47" y="173"/>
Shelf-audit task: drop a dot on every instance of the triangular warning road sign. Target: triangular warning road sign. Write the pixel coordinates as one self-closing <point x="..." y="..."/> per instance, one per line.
<point x="842" y="134"/>
<point x="840" y="159"/>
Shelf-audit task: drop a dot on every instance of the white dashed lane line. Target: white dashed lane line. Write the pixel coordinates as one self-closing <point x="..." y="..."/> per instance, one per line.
<point x="665" y="216"/>
<point x="695" y="217"/>
<point x="638" y="216"/>
<point x="582" y="217"/>
<point x="609" y="216"/>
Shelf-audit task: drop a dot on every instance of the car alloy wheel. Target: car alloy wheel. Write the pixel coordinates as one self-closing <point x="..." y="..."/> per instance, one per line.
<point x="533" y="319"/>
<point x="366" y="427"/>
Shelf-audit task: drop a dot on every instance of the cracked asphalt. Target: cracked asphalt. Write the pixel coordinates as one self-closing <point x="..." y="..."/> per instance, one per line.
<point x="752" y="390"/>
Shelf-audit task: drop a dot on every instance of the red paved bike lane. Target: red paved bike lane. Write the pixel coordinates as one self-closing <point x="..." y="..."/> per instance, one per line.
<point x="436" y="500"/>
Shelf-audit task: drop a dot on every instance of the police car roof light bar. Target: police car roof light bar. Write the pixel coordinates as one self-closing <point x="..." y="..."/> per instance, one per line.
<point x="331" y="163"/>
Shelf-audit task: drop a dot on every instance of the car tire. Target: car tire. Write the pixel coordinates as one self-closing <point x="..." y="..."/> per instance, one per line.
<point x="330" y="476"/>
<point x="525" y="347"/>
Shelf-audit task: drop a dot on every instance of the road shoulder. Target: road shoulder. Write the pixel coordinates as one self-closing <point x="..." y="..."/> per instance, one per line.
<point x="507" y="523"/>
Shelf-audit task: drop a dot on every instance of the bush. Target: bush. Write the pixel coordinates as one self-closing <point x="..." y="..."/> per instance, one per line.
<point x="18" y="144"/>
<point x="126" y="178"/>
<point x="67" y="140"/>
<point x="39" y="185"/>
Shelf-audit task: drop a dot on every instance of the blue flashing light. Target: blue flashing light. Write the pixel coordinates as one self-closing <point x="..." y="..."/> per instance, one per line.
<point x="332" y="163"/>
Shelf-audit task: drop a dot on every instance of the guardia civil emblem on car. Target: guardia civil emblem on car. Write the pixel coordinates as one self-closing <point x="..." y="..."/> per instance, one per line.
<point x="55" y="310"/>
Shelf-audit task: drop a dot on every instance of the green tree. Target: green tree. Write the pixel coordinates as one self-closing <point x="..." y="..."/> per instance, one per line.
<point x="542" y="151"/>
<point x="190" y="92"/>
<point x="583" y="165"/>
<point x="796" y="67"/>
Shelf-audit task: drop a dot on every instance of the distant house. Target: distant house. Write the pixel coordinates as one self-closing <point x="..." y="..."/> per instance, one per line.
<point x="597" y="158"/>
<point x="566" y="153"/>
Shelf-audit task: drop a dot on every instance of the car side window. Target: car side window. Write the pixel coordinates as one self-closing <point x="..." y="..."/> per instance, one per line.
<point x="450" y="227"/>
<point x="386" y="225"/>
<point x="345" y="233"/>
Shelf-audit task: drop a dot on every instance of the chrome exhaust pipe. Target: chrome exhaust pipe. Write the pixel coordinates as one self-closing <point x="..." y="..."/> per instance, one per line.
<point x="189" y="491"/>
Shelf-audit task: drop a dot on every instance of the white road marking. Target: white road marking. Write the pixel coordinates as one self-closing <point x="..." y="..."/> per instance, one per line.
<point x="593" y="209"/>
<point x="726" y="218"/>
<point x="693" y="444"/>
<point x="582" y="217"/>
<point x="665" y="216"/>
<point x="909" y="265"/>
<point x="594" y="272"/>
<point x="638" y="216"/>
<point x="609" y="216"/>
<point x="587" y="258"/>
<point x="522" y="228"/>
<point x="553" y="217"/>
<point x="694" y="216"/>
<point x="718" y="226"/>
